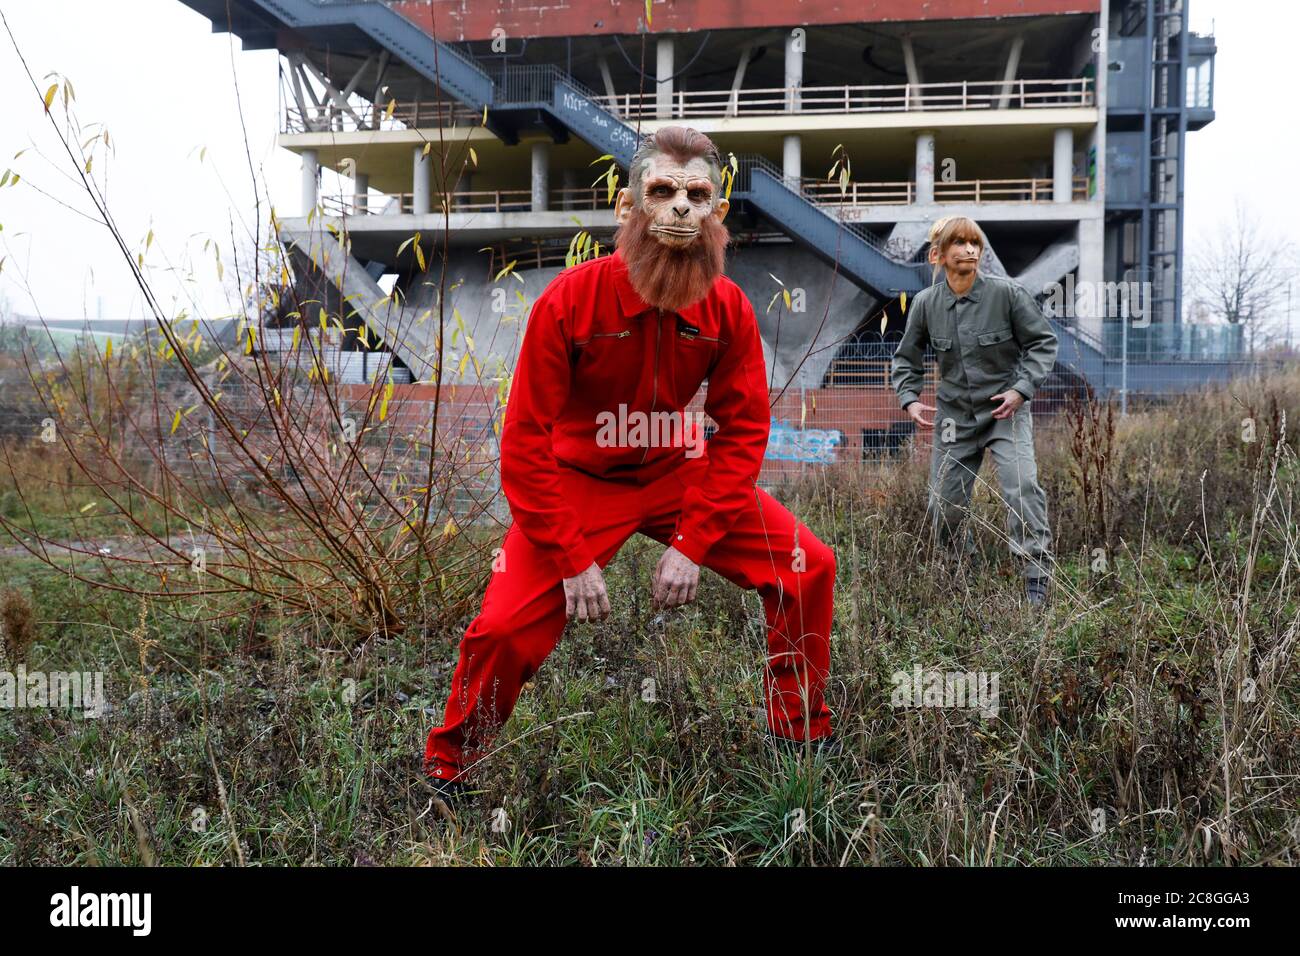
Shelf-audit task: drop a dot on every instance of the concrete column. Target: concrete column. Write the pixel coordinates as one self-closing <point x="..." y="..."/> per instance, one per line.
<point x="794" y="47"/>
<point x="541" y="175"/>
<point x="1063" y="165"/>
<point x="464" y="183"/>
<point x="420" y="166"/>
<point x="608" y="79"/>
<point x="1091" y="273"/>
<point x="663" y="75"/>
<point x="361" y="193"/>
<point x="310" y="181"/>
<point x="569" y="180"/>
<point x="925" y="167"/>
<point x="1009" y="74"/>
<point x="913" y="73"/>
<point x="733" y="105"/>
<point x="792" y="158"/>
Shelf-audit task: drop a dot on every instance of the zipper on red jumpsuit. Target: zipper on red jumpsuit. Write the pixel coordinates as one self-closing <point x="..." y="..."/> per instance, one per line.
<point x="654" y="396"/>
<point x="602" y="335"/>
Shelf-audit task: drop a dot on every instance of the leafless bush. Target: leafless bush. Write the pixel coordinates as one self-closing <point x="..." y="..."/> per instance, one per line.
<point x="239" y="473"/>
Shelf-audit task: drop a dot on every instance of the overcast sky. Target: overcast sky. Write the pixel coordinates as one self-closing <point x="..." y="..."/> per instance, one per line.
<point x="165" y="87"/>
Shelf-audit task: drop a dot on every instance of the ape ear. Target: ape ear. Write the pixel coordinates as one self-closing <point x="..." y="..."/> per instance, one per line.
<point x="623" y="205"/>
<point x="721" y="208"/>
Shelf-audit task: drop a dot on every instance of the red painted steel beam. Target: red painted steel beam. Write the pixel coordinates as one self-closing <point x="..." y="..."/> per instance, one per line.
<point x="455" y="20"/>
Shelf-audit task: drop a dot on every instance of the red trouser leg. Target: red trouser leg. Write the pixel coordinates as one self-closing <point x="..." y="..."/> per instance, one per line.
<point x="519" y="625"/>
<point x="797" y="588"/>
<point x="516" y="628"/>
<point x="523" y="611"/>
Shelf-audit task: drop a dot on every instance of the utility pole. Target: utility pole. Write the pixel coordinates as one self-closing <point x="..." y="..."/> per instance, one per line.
<point x="1123" y="347"/>
<point x="1289" y="283"/>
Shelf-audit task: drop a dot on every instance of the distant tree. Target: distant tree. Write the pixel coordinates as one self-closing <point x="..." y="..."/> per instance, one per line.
<point x="1240" y="278"/>
<point x="13" y="339"/>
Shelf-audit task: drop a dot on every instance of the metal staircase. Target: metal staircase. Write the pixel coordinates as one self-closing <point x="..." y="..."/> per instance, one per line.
<point x="450" y="69"/>
<point x="567" y="106"/>
<point x="1087" y="357"/>
<point x="575" y="108"/>
<point x="859" y="254"/>
<point x="759" y="182"/>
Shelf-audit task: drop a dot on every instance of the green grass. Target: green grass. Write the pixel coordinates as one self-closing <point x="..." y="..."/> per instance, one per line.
<point x="592" y="774"/>
<point x="1150" y="715"/>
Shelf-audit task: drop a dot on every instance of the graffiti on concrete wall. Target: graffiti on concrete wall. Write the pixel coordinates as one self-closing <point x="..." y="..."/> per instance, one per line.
<point x="787" y="443"/>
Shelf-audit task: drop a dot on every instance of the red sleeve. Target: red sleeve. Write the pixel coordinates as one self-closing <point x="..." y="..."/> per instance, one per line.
<point x="530" y="475"/>
<point x="737" y="400"/>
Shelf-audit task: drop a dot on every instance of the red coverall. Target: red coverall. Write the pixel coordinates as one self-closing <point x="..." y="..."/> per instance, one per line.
<point x="593" y="344"/>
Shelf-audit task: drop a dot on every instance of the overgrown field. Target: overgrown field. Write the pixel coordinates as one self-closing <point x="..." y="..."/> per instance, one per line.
<point x="1149" y="714"/>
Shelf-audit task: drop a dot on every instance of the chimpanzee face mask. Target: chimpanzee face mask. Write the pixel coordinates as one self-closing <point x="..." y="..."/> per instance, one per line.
<point x="671" y="233"/>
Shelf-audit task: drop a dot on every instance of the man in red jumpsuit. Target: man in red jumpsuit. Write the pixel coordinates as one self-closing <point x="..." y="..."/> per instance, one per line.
<point x="595" y="448"/>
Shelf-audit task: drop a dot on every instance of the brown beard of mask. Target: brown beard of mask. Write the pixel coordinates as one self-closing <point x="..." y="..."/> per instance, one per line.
<point x="668" y="278"/>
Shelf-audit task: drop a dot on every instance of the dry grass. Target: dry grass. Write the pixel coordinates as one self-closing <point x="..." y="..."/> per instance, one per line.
<point x="1149" y="715"/>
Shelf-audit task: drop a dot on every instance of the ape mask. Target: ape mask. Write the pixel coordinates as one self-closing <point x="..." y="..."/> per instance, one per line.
<point x="670" y="230"/>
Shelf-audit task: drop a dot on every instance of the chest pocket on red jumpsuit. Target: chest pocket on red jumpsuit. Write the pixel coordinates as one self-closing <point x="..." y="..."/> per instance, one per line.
<point x="694" y="353"/>
<point x="605" y="361"/>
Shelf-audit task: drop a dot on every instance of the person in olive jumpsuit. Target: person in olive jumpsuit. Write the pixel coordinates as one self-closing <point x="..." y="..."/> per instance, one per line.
<point x="994" y="347"/>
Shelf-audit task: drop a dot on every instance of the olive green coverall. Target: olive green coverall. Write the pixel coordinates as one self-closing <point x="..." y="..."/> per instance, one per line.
<point x="993" y="338"/>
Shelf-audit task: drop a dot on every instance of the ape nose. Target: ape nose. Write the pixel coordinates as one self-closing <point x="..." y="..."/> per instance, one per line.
<point x="682" y="211"/>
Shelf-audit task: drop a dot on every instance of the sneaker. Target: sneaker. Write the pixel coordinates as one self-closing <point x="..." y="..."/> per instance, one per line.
<point x="1036" y="591"/>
